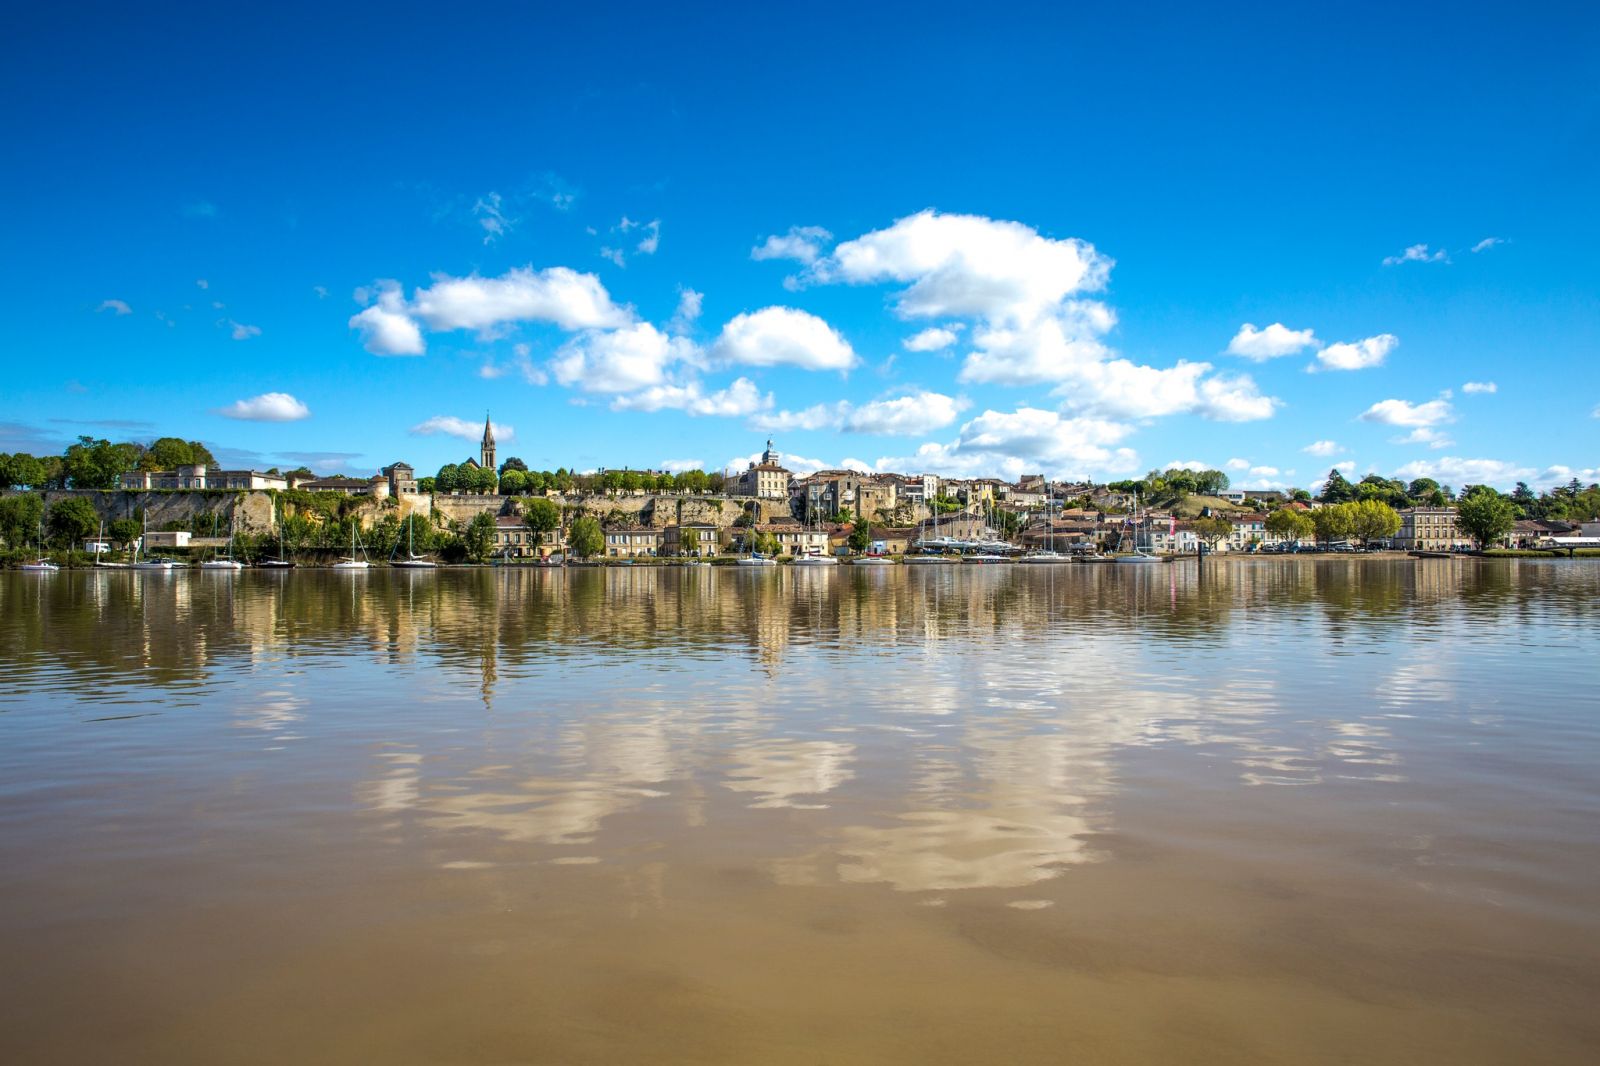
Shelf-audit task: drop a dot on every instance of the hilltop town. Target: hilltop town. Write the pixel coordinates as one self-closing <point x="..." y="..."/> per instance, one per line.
<point x="483" y="509"/>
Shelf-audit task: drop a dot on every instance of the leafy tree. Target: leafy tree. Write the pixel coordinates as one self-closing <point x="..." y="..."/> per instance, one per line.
<point x="479" y="537"/>
<point x="478" y="479"/>
<point x="300" y="473"/>
<point x="96" y="464"/>
<point x="513" y="463"/>
<point x="72" y="520"/>
<point x="448" y="479"/>
<point x="584" y="538"/>
<point x="21" y="471"/>
<point x="426" y="484"/>
<point x="1291" y="523"/>
<point x="19" y="518"/>
<point x="513" y="483"/>
<point x="1332" y="523"/>
<point x="1485" y="515"/>
<point x="415" y="531"/>
<point x="1336" y="489"/>
<point x="1212" y="529"/>
<point x="1372" y="520"/>
<point x="541" y="517"/>
<point x="943" y="504"/>
<point x="124" y="531"/>
<point x="169" y="453"/>
<point x="861" y="536"/>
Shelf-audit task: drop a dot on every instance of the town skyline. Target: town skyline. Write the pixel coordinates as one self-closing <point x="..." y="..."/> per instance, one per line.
<point x="1087" y="293"/>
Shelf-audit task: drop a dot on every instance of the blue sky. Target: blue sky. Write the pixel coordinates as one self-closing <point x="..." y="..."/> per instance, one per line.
<point x="646" y="235"/>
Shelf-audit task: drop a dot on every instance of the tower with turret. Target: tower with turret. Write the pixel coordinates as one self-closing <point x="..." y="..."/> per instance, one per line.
<point x="486" y="450"/>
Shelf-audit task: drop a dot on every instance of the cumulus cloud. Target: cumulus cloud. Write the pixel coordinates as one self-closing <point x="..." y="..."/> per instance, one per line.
<point x="652" y="238"/>
<point x="689" y="305"/>
<point x="465" y="428"/>
<point x="1457" y="471"/>
<point x="1480" y="386"/>
<point x="1275" y="341"/>
<point x="1417" y="253"/>
<point x="1356" y="355"/>
<point x="1036" y="323"/>
<point x="783" y="336"/>
<point x="1433" y="438"/>
<point x="268" y="407"/>
<point x="932" y="339"/>
<point x="241" y="332"/>
<point x="558" y="295"/>
<point x="1010" y="443"/>
<point x="1561" y="475"/>
<point x="116" y="307"/>
<point x="1187" y="464"/>
<point x="621" y="360"/>
<point x="1487" y="243"/>
<point x="386" y="328"/>
<point x="1237" y="464"/>
<point x="739" y="399"/>
<point x="909" y="415"/>
<point x="1323" y="447"/>
<point x="1405" y="413"/>
<point x="803" y="243"/>
<point x="678" y="466"/>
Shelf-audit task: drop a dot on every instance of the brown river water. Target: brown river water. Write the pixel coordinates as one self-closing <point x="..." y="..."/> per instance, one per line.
<point x="1275" y="811"/>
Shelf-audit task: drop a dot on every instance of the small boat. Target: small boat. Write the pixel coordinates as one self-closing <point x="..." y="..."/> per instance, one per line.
<point x="985" y="559"/>
<point x="40" y="564"/>
<point x="1136" y="557"/>
<point x="874" y="560"/>
<point x="282" y="562"/>
<point x="351" y="562"/>
<point x="757" y="560"/>
<point x="924" y="560"/>
<point x="1093" y="558"/>
<point x="227" y="562"/>
<point x="816" y="560"/>
<point x="147" y="564"/>
<point x="1045" y="557"/>
<point x="413" y="561"/>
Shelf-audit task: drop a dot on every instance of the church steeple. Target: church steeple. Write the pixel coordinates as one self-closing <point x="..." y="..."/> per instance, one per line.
<point x="486" y="451"/>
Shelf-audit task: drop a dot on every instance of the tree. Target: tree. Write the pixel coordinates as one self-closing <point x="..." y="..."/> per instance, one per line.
<point x="21" y="471"/>
<point x="448" y="479"/>
<point x="861" y="536"/>
<point x="1291" y="523"/>
<point x="19" y="518"/>
<point x="427" y="484"/>
<point x="1372" y="520"/>
<point x="513" y="463"/>
<point x="169" y="453"/>
<point x="96" y="464"/>
<point x="1212" y="529"/>
<point x="513" y="483"/>
<point x="585" y="539"/>
<point x="1332" y="523"/>
<point x="124" y="531"/>
<point x="415" y="532"/>
<point x="1336" y="489"/>
<point x="72" y="520"/>
<point x="480" y="536"/>
<point x="1485" y="515"/>
<point x="541" y="517"/>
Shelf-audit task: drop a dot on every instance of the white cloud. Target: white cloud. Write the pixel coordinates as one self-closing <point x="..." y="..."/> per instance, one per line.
<point x="778" y="336"/>
<point x="385" y="327"/>
<point x="1011" y="443"/>
<point x="465" y="428"/>
<point x="1404" y="413"/>
<point x="1187" y="464"/>
<point x="739" y="399"/>
<point x="1561" y="475"/>
<point x="242" y="332"/>
<point x="1417" y="253"/>
<point x="1452" y="470"/>
<point x="1323" y="447"/>
<point x="491" y="216"/>
<point x="932" y="339"/>
<point x="689" y="305"/>
<point x="651" y="240"/>
<point x="202" y="283"/>
<point x="678" y="466"/>
<point x="1480" y="386"/>
<point x="851" y="463"/>
<point x="1237" y="464"/>
<point x="803" y="243"/>
<point x="1271" y="343"/>
<point x="268" y="407"/>
<point x="1487" y="243"/>
<point x="909" y="415"/>
<point x="116" y="307"/>
<point x="1433" y="438"/>
<point x="621" y="360"/>
<point x="1357" y="355"/>
<point x="558" y="295"/>
<point x="615" y="255"/>
<point x="1035" y="325"/>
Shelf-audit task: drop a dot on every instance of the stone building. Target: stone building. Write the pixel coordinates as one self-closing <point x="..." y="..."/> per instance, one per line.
<point x="765" y="480"/>
<point x="1428" y="529"/>
<point x="200" y="476"/>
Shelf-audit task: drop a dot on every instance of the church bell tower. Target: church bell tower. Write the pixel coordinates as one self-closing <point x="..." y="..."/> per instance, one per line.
<point x="486" y="452"/>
